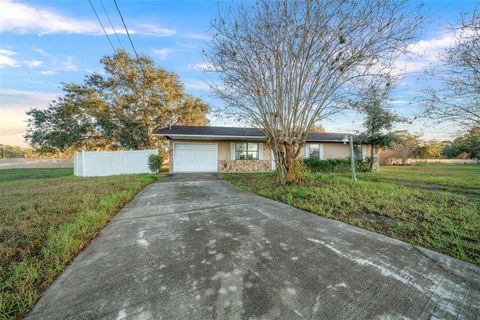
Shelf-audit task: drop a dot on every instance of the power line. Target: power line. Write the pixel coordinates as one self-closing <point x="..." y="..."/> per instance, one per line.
<point x="111" y="24"/>
<point x="126" y="29"/>
<point x="101" y="24"/>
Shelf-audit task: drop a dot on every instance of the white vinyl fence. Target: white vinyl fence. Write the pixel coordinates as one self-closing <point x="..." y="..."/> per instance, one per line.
<point x="108" y="163"/>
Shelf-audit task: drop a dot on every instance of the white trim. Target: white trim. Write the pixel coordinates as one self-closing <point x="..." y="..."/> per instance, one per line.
<point x="320" y="152"/>
<point x="260" y="151"/>
<point x="199" y="143"/>
<point x="274" y="161"/>
<point x="189" y="136"/>
<point x="364" y="151"/>
<point x="232" y="151"/>
<point x="306" y="150"/>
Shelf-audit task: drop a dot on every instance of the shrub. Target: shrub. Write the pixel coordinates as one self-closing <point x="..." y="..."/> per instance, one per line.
<point x="301" y="171"/>
<point x="155" y="162"/>
<point x="334" y="165"/>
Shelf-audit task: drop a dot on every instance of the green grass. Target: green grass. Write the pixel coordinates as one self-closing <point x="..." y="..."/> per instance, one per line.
<point x="47" y="216"/>
<point x="463" y="179"/>
<point x="442" y="221"/>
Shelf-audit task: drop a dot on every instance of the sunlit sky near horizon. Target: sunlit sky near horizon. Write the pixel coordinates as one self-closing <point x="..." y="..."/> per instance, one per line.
<point x="45" y="43"/>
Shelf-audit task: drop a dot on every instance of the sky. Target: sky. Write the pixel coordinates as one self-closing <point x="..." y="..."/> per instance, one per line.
<point x="46" y="43"/>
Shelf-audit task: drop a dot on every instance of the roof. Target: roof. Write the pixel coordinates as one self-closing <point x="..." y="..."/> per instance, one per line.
<point x="226" y="133"/>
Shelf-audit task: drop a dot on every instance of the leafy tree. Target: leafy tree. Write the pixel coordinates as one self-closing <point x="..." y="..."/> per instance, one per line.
<point x="116" y="110"/>
<point x="7" y="151"/>
<point x="285" y="65"/>
<point x="317" y="128"/>
<point x="379" y="119"/>
<point x="404" y="148"/>
<point x="429" y="150"/>
<point x="467" y="144"/>
<point x="458" y="97"/>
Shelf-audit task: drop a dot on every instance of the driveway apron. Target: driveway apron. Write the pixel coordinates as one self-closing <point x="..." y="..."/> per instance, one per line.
<point x="194" y="247"/>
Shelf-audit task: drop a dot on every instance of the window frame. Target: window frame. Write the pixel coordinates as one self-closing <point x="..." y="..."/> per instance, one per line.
<point x="247" y="151"/>
<point x="310" y="151"/>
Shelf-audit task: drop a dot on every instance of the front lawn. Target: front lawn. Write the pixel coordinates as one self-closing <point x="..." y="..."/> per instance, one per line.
<point x="442" y="221"/>
<point x="462" y="179"/>
<point x="47" y="216"/>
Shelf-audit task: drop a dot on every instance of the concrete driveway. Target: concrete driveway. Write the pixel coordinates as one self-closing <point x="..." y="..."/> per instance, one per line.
<point x="195" y="247"/>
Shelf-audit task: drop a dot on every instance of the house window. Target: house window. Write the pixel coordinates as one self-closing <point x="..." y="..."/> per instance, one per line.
<point x="246" y="151"/>
<point x="358" y="152"/>
<point x="314" y="151"/>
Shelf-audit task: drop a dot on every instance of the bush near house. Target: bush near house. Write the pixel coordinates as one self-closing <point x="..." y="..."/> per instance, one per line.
<point x="155" y="162"/>
<point x="335" y="165"/>
<point x="47" y="216"/>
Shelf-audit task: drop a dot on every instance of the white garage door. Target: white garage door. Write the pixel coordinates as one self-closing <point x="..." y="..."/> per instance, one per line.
<point x="195" y="157"/>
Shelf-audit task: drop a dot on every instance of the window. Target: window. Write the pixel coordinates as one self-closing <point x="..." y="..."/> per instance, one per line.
<point x="246" y="151"/>
<point x="314" y="151"/>
<point x="358" y="152"/>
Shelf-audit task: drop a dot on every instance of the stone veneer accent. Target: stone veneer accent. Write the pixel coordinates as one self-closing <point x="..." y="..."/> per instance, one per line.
<point x="244" y="165"/>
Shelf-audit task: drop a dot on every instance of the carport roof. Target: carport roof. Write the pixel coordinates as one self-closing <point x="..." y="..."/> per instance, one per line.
<point x="230" y="133"/>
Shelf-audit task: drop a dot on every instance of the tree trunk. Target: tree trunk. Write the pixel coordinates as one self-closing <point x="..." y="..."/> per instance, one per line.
<point x="285" y="156"/>
<point x="372" y="160"/>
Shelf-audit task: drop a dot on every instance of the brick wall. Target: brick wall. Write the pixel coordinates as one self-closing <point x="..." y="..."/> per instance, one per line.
<point x="244" y="165"/>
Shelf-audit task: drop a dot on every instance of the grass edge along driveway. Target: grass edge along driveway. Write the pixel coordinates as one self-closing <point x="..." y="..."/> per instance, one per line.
<point x="47" y="217"/>
<point x="445" y="222"/>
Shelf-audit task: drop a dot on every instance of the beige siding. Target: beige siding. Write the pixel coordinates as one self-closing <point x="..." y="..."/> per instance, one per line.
<point x="224" y="148"/>
<point x="337" y="150"/>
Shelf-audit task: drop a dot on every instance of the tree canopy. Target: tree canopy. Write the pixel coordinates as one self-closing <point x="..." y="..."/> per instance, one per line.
<point x="457" y="99"/>
<point x="379" y="118"/>
<point x="286" y="65"/>
<point x="116" y="109"/>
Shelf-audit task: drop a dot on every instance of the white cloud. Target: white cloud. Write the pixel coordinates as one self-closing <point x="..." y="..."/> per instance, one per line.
<point x="33" y="63"/>
<point x="67" y="65"/>
<point x="197" y="85"/>
<point x="6" y="60"/>
<point x="163" y="53"/>
<point x="198" y="36"/>
<point x="13" y="105"/>
<point x="22" y="18"/>
<point x="204" y="66"/>
<point x="427" y="52"/>
<point x="154" y="30"/>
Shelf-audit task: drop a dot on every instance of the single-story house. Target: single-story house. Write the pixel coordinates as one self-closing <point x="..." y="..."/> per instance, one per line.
<point x="231" y="149"/>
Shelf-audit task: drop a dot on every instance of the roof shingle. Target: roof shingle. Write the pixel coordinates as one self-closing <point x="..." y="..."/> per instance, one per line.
<point x="173" y="131"/>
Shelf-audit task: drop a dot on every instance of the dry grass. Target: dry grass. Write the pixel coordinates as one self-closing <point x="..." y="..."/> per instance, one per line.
<point x="47" y="217"/>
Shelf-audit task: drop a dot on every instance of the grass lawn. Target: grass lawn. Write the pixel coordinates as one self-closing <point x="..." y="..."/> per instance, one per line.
<point x="47" y="216"/>
<point x="444" y="221"/>
<point x="460" y="179"/>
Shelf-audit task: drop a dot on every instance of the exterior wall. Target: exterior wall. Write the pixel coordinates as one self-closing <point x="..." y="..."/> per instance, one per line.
<point x="331" y="150"/>
<point x="336" y="150"/>
<point x="244" y="165"/>
<point x="225" y="164"/>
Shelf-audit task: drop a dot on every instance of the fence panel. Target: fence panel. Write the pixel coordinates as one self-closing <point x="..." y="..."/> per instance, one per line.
<point x="108" y="163"/>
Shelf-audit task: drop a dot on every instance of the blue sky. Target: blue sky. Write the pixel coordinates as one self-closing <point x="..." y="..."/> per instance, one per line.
<point x="44" y="43"/>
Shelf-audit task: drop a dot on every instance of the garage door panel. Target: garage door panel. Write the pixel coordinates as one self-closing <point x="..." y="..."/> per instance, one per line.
<point x="192" y="157"/>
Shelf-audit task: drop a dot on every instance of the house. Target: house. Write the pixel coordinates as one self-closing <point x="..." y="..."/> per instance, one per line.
<point x="230" y="149"/>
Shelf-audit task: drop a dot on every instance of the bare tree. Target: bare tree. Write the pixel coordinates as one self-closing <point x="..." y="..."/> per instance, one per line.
<point x="288" y="64"/>
<point x="457" y="98"/>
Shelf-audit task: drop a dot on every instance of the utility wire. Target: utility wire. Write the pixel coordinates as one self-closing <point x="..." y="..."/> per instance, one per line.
<point x="126" y="29"/>
<point x="101" y="24"/>
<point x="111" y="24"/>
